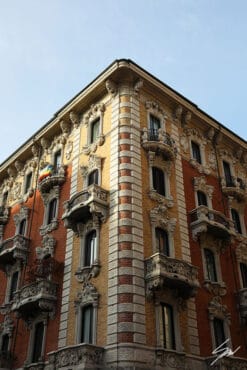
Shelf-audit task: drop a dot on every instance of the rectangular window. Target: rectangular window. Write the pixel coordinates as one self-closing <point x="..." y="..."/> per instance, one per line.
<point x="38" y="342"/>
<point x="52" y="210"/>
<point x="13" y="285"/>
<point x="219" y="333"/>
<point x="28" y="182"/>
<point x="5" y="343"/>
<point x="154" y="123"/>
<point x="90" y="247"/>
<point x="158" y="180"/>
<point x="95" y="130"/>
<point x="227" y="173"/>
<point x="57" y="160"/>
<point x="22" y="227"/>
<point x="168" y="326"/>
<point x="210" y="265"/>
<point x="87" y="324"/>
<point x="162" y="241"/>
<point x="201" y="199"/>
<point x="236" y="221"/>
<point x="243" y="269"/>
<point x="196" y="152"/>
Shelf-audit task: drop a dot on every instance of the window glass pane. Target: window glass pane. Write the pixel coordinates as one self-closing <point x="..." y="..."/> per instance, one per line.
<point x="227" y="172"/>
<point x="243" y="269"/>
<point x="219" y="333"/>
<point x="57" y="160"/>
<point x="13" y="285"/>
<point x="202" y="199"/>
<point x="5" y="197"/>
<point x="162" y="241"/>
<point x="196" y="153"/>
<point x="38" y="341"/>
<point x="168" y="327"/>
<point x="90" y="248"/>
<point x="5" y="343"/>
<point x="154" y="127"/>
<point x="28" y="182"/>
<point x="236" y="221"/>
<point x="22" y="227"/>
<point x="93" y="177"/>
<point x="52" y="210"/>
<point x="95" y="130"/>
<point x="87" y="324"/>
<point x="210" y="265"/>
<point x="158" y="180"/>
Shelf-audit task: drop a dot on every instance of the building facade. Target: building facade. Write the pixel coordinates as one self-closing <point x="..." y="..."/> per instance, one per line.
<point x="123" y="234"/>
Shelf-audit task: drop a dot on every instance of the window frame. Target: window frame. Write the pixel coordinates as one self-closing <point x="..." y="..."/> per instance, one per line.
<point x="199" y="195"/>
<point x="162" y="183"/>
<point x="235" y="216"/>
<point x="9" y="290"/>
<point x="94" y="136"/>
<point x="243" y="274"/>
<point x="207" y="267"/>
<point x="94" y="173"/>
<point x="28" y="182"/>
<point x="196" y="152"/>
<point x="29" y="359"/>
<point x="166" y="241"/>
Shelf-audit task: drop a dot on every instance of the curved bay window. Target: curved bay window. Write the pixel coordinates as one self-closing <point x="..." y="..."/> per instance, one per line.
<point x="210" y="265"/>
<point x="162" y="241"/>
<point x="158" y="178"/>
<point x="93" y="177"/>
<point x="90" y="248"/>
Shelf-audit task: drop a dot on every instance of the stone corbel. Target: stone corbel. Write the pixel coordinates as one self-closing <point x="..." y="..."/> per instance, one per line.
<point x="137" y="86"/>
<point x="74" y="118"/>
<point x="111" y="87"/>
<point x="178" y="113"/>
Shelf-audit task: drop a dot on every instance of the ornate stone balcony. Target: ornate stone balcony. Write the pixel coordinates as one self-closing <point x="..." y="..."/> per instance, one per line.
<point x="205" y="220"/>
<point x="158" y="141"/>
<point x="13" y="249"/>
<point x="235" y="187"/>
<point x="92" y="200"/>
<point x="4" y="215"/>
<point x="51" y="177"/>
<point x="242" y="299"/>
<point x="83" y="356"/>
<point x="38" y="296"/>
<point x="163" y="271"/>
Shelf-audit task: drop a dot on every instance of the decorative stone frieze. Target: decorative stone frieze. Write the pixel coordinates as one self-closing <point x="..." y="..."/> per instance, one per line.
<point x="83" y="355"/>
<point x="163" y="271"/>
<point x="165" y="201"/>
<point x="19" y="166"/>
<point x="215" y="288"/>
<point x="242" y="302"/>
<point x="235" y="188"/>
<point x="68" y="149"/>
<point x="217" y="309"/>
<point x="227" y="363"/>
<point x="4" y="215"/>
<point x="7" y="326"/>
<point x="241" y="251"/>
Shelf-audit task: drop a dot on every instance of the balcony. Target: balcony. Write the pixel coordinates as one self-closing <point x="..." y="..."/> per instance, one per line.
<point x="50" y="176"/>
<point x="83" y="356"/>
<point x="13" y="249"/>
<point x="92" y="200"/>
<point x="4" y="215"/>
<point x="242" y="299"/>
<point x="205" y="220"/>
<point x="234" y="187"/>
<point x="160" y="142"/>
<point x="163" y="271"/>
<point x="40" y="293"/>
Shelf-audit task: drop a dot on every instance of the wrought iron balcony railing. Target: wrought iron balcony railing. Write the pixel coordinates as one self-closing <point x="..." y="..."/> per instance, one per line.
<point x="158" y="141"/>
<point x="234" y="186"/>
<point x="163" y="271"/>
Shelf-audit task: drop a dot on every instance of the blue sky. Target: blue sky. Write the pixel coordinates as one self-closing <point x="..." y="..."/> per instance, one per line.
<point x="51" y="49"/>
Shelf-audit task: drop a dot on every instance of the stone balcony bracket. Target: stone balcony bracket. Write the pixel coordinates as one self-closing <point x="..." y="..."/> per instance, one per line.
<point x="13" y="249"/>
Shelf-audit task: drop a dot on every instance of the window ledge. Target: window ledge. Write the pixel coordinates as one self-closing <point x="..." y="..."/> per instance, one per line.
<point x="85" y="273"/>
<point x="167" y="201"/>
<point x="201" y="168"/>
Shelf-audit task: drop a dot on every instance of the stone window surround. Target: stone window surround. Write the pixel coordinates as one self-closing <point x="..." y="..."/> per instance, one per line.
<point x="94" y="163"/>
<point x="31" y="327"/>
<point x="241" y="255"/>
<point x="241" y="219"/>
<point x="10" y="270"/>
<point x="56" y="149"/>
<point x="6" y="327"/>
<point x="200" y="185"/>
<point x="217" y="310"/>
<point x="227" y="157"/>
<point x="159" y="218"/>
<point x="96" y="112"/>
<point x="19" y="217"/>
<point x="87" y="296"/>
<point x="153" y="108"/>
<point x="173" y="302"/>
<point x="217" y="266"/>
<point x="47" y="198"/>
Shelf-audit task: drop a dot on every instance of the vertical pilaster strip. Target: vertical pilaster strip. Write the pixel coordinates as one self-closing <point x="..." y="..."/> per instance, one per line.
<point x="185" y="245"/>
<point x="126" y="315"/>
<point x="69" y="246"/>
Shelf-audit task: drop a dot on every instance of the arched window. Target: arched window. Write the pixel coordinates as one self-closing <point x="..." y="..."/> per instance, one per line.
<point x="87" y="324"/>
<point x="202" y="199"/>
<point x="158" y="180"/>
<point x="52" y="210"/>
<point x="210" y="265"/>
<point x="90" y="248"/>
<point x="196" y="152"/>
<point x="236" y="221"/>
<point x="93" y="177"/>
<point x="162" y="241"/>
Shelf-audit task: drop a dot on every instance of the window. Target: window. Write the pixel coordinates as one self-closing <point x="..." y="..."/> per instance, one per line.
<point x="243" y="270"/>
<point x="5" y="343"/>
<point x="158" y="180"/>
<point x="154" y="123"/>
<point x="168" y="326"/>
<point x="22" y="227"/>
<point x="87" y="324"/>
<point x="52" y="210"/>
<point x="202" y="199"/>
<point x="196" y="153"/>
<point x="13" y="285"/>
<point x="95" y="126"/>
<point x="90" y="248"/>
<point x="236" y="221"/>
<point x="93" y="177"/>
<point x="210" y="265"/>
<point x="5" y="198"/>
<point x="28" y="182"/>
<point x="219" y="333"/>
<point x="162" y="241"/>
<point x="38" y="342"/>
<point x="57" y="160"/>
<point x="227" y="173"/>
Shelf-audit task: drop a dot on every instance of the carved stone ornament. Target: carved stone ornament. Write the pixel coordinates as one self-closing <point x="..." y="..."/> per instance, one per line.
<point x="137" y="86"/>
<point x="216" y="288"/>
<point x="19" y="166"/>
<point x="155" y="108"/>
<point x="165" y="201"/>
<point x="35" y="150"/>
<point x="225" y="154"/>
<point x="16" y="191"/>
<point x="212" y="160"/>
<point x="87" y="294"/>
<point x="184" y="143"/>
<point x="11" y="172"/>
<point x="241" y="252"/>
<point x="45" y="143"/>
<point x="217" y="309"/>
<point x="7" y="326"/>
<point x="96" y="110"/>
<point x="178" y="112"/>
<point x="228" y="363"/>
<point x="159" y="217"/>
<point x="94" y="162"/>
<point x="65" y="127"/>
<point x="74" y="118"/>
<point x="111" y="87"/>
<point x="210" y="133"/>
<point x="170" y="360"/>
<point x="23" y="214"/>
<point x="47" y="249"/>
<point x="69" y="149"/>
<point x="187" y="117"/>
<point x="200" y="183"/>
